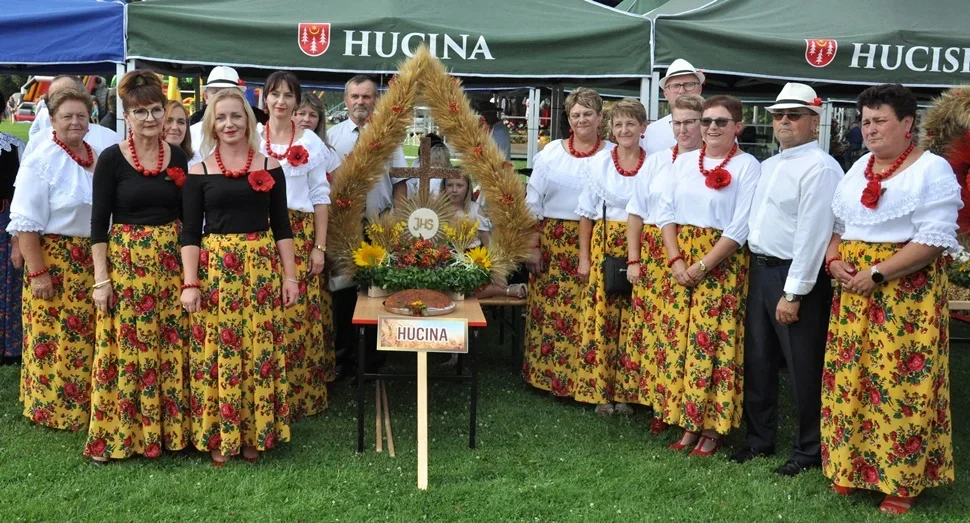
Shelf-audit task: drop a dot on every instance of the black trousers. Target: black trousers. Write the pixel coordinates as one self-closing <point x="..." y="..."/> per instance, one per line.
<point x="801" y="344"/>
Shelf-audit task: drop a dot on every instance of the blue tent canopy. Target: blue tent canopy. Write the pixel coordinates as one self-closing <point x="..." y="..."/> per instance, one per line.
<point x="52" y="35"/>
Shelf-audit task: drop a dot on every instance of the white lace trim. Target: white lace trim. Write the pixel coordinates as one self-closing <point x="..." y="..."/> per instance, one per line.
<point x="9" y="141"/>
<point x="851" y="211"/>
<point x="938" y="239"/>
<point x="50" y="163"/>
<point x="586" y="214"/>
<point x="838" y="227"/>
<point x="316" y="150"/>
<point x="19" y="223"/>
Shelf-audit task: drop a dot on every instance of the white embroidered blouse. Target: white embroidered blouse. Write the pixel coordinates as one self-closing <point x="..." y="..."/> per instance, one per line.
<point x="604" y="184"/>
<point x="556" y="181"/>
<point x="307" y="184"/>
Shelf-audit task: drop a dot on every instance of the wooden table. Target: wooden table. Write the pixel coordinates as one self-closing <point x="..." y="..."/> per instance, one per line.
<point x="365" y="315"/>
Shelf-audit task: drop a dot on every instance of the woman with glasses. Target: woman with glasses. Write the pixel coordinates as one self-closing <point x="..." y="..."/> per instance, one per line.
<point x="139" y="393"/>
<point x="704" y="225"/>
<point x="681" y="79"/>
<point x="647" y="268"/>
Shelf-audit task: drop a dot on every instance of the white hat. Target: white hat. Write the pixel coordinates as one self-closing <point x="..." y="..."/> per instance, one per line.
<point x="222" y="76"/>
<point x="795" y="96"/>
<point x="680" y="67"/>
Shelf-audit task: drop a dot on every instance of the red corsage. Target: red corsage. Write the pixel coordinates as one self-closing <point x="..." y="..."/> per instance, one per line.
<point x="297" y="156"/>
<point x="871" y="194"/>
<point x="261" y="181"/>
<point x="718" y="178"/>
<point x="817" y="102"/>
<point x="177" y="175"/>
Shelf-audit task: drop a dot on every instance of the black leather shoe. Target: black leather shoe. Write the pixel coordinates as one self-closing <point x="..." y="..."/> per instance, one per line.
<point x="747" y="454"/>
<point x="792" y="468"/>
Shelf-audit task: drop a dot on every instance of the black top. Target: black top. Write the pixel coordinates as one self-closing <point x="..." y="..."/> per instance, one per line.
<point x="232" y="206"/>
<point x="124" y="195"/>
<point x="9" y="165"/>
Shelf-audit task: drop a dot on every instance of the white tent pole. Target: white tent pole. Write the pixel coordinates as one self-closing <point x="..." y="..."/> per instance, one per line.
<point x="645" y="91"/>
<point x="825" y="127"/>
<point x="654" y="96"/>
<point x="533" y="126"/>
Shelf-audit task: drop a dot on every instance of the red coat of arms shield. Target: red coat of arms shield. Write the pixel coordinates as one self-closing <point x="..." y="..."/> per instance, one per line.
<point x="820" y="52"/>
<point x="314" y="39"/>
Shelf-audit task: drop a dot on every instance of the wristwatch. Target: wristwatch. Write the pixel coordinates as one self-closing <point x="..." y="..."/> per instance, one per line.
<point x="876" y="275"/>
<point x="791" y="298"/>
<point x="700" y="263"/>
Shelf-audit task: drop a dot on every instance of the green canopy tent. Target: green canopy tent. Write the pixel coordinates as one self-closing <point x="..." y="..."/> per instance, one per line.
<point x="639" y="7"/>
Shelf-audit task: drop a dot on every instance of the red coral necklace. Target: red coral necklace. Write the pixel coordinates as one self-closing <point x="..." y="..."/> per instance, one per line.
<point x="718" y="177"/>
<point x="673" y="155"/>
<point x="269" y="146"/>
<point x="138" y="165"/>
<point x="584" y="154"/>
<point x="874" y="190"/>
<point x="700" y="160"/>
<point x="621" y="170"/>
<point x="83" y="163"/>
<point x="240" y="172"/>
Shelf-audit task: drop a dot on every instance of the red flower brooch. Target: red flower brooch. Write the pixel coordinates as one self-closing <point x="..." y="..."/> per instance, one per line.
<point x="297" y="156"/>
<point x="261" y="181"/>
<point x="177" y="175"/>
<point x="718" y="178"/>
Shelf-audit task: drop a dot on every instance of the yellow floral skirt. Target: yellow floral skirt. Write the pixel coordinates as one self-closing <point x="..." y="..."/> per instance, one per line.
<point x="554" y="305"/>
<point x="648" y="301"/>
<point x="700" y="353"/>
<point x="606" y="371"/>
<point x="886" y="422"/>
<point x="238" y="345"/>
<point x="55" y="385"/>
<point x="139" y="390"/>
<point x="306" y="329"/>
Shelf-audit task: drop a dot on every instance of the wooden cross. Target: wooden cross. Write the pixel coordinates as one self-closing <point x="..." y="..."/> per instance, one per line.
<point x="425" y="172"/>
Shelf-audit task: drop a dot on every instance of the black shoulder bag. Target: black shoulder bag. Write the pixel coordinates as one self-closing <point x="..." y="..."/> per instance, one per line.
<point x="614" y="268"/>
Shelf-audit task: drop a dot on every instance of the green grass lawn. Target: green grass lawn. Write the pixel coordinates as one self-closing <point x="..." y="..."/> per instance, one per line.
<point x="538" y="459"/>
<point x="17" y="129"/>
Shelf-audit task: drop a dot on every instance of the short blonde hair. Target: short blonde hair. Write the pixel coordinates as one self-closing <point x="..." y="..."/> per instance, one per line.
<point x="631" y="108"/>
<point x="586" y="97"/>
<point x="689" y="102"/>
<point x="209" y="140"/>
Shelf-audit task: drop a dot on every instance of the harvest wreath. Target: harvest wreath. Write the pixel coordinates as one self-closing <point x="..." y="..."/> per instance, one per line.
<point x="512" y="223"/>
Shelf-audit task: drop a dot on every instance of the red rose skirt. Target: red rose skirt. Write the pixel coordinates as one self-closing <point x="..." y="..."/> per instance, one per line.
<point x="886" y="422"/>
<point x="648" y="303"/>
<point x="307" y="347"/>
<point x="139" y="389"/>
<point x="554" y="308"/>
<point x="238" y="345"/>
<point x="55" y="385"/>
<point x="700" y="351"/>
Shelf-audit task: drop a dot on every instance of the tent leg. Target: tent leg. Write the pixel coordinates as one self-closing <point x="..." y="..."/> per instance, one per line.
<point x="120" y="70"/>
<point x="825" y="127"/>
<point x="556" y="108"/>
<point x="645" y="83"/>
<point x="533" y="126"/>
<point x="654" y="109"/>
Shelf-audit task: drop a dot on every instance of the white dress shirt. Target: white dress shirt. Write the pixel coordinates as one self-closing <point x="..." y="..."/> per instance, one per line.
<point x="42" y="121"/>
<point x="605" y="184"/>
<point x="647" y="199"/>
<point x="688" y="201"/>
<point x="343" y="136"/>
<point x="791" y="214"/>
<point x="659" y="136"/>
<point x="556" y="181"/>
<point x="195" y="130"/>
<point x="919" y="204"/>
<point x="54" y="194"/>
<point x="306" y="185"/>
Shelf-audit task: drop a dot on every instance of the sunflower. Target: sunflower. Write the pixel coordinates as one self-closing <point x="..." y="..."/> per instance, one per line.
<point x="479" y="256"/>
<point x="369" y="255"/>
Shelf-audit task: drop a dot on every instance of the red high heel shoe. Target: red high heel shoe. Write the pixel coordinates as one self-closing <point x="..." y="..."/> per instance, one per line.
<point x="842" y="491"/>
<point x="700" y="443"/>
<point x="678" y="446"/>
<point x="658" y="426"/>
<point x="896" y="505"/>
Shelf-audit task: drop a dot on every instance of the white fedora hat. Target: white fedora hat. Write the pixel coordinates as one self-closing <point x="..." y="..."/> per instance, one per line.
<point x="795" y="96"/>
<point x="681" y="67"/>
<point x="223" y="76"/>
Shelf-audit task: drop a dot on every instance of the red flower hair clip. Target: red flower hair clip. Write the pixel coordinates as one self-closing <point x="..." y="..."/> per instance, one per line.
<point x="261" y="181"/>
<point x="297" y="155"/>
<point x="177" y="175"/>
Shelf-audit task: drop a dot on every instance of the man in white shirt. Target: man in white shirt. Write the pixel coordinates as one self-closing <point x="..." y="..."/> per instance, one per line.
<point x="221" y="77"/>
<point x="681" y="78"/>
<point x="100" y="137"/>
<point x="789" y="293"/>
<point x="360" y="97"/>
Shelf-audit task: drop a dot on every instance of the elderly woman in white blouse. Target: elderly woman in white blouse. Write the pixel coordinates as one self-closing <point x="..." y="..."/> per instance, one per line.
<point x="51" y="216"/>
<point x="704" y="226"/>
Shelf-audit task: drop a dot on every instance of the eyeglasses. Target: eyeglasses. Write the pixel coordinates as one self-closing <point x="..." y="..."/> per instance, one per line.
<point x="684" y="123"/>
<point x="685" y="87"/>
<point x="141" y="114"/>
<point x="792" y="117"/>
<point x="720" y="122"/>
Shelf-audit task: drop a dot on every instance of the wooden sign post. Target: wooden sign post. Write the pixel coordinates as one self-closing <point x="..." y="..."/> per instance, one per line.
<point x="422" y="335"/>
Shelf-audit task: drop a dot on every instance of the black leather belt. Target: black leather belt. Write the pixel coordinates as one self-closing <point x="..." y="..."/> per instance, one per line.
<point x="769" y="261"/>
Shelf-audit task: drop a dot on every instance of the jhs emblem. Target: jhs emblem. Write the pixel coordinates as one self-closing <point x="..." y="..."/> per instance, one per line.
<point x="819" y="53"/>
<point x="314" y="39"/>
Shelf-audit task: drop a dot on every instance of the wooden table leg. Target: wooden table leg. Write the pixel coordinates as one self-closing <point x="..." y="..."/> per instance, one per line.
<point x="423" y="420"/>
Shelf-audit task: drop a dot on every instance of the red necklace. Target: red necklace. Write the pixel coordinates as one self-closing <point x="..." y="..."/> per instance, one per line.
<point x="586" y="154"/>
<point x="700" y="160"/>
<point x="622" y="171"/>
<point x="83" y="163"/>
<point x="673" y="156"/>
<point x="240" y="172"/>
<point x="879" y="177"/>
<point x="269" y="146"/>
<point x="138" y="166"/>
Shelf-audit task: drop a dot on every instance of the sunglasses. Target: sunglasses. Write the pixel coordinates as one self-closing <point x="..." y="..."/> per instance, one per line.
<point x="720" y="122"/>
<point x="792" y="117"/>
